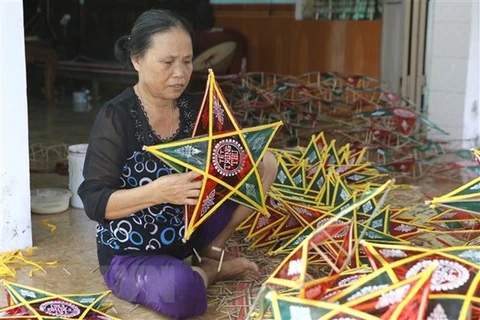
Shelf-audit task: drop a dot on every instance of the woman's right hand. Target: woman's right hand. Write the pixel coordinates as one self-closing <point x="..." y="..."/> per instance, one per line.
<point x="177" y="188"/>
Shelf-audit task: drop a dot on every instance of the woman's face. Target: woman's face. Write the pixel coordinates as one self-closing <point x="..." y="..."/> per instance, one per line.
<point x="164" y="70"/>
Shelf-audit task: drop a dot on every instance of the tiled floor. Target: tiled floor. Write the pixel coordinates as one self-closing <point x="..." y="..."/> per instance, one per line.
<point x="73" y="242"/>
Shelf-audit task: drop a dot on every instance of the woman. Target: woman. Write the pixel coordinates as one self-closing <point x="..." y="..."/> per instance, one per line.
<point x="136" y="199"/>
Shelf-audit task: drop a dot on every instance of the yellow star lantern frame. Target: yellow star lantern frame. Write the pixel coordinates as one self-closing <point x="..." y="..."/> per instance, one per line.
<point x="226" y="155"/>
<point x="31" y="303"/>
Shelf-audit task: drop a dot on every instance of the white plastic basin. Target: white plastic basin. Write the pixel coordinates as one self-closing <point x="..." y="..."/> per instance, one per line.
<point x="50" y="200"/>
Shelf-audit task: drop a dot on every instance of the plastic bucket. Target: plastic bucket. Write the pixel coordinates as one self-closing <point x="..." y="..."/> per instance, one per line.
<point x="80" y="96"/>
<point x="76" y="159"/>
<point x="81" y="101"/>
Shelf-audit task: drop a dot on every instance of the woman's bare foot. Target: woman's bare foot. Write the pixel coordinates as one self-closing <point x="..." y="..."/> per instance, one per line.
<point x="237" y="268"/>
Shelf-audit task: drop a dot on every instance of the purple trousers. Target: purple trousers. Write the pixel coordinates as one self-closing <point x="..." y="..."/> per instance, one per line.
<point x="164" y="282"/>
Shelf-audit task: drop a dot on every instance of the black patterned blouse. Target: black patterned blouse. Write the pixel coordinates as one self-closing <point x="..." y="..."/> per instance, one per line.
<point x="115" y="160"/>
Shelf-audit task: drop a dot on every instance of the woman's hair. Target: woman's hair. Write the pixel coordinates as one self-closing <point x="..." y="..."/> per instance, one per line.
<point x="149" y="24"/>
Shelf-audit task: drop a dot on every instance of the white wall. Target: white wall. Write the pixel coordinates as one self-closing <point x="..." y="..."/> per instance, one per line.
<point x="15" y="222"/>
<point x="452" y="58"/>
<point x="471" y="133"/>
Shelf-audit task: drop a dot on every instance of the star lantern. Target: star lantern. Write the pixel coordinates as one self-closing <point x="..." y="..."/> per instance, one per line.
<point x="455" y="284"/>
<point x="476" y="154"/>
<point x="226" y="155"/>
<point x="465" y="198"/>
<point x="30" y="303"/>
